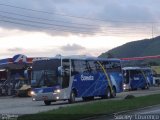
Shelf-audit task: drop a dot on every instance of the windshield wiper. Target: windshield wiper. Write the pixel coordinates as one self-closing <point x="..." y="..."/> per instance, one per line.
<point x="41" y="79"/>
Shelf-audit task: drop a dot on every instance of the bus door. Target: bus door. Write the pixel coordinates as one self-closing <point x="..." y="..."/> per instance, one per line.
<point x="66" y="75"/>
<point x="83" y="77"/>
<point x="126" y="82"/>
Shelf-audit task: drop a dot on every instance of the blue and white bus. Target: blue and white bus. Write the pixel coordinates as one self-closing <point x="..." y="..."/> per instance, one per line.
<point x="67" y="78"/>
<point x="149" y="75"/>
<point x="137" y="77"/>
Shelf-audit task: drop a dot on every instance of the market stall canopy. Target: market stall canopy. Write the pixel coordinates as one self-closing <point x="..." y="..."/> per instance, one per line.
<point x="18" y="61"/>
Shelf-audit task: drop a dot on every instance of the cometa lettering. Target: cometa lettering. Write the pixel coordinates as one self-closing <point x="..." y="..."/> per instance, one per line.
<point x="85" y="78"/>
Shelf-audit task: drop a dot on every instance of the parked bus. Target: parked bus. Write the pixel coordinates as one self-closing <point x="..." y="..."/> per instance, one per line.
<point x="149" y="75"/>
<point x="66" y="78"/>
<point x="137" y="77"/>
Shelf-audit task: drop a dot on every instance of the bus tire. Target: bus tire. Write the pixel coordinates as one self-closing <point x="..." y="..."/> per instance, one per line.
<point x="108" y="93"/>
<point x="148" y="85"/>
<point x="72" y="97"/>
<point x="113" y="94"/>
<point x="46" y="102"/>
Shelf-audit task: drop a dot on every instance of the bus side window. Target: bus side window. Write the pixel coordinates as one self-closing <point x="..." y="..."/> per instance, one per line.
<point x="97" y="66"/>
<point x="92" y="66"/>
<point x="87" y="67"/>
<point x="66" y="75"/>
<point x="75" y="69"/>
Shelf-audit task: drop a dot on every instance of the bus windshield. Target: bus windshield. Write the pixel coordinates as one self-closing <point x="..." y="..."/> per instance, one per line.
<point x="45" y="73"/>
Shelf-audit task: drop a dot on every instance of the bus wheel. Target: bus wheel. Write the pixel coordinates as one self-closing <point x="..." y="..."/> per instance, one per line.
<point x="108" y="92"/>
<point x="113" y="92"/>
<point x="147" y="86"/>
<point x="46" y="102"/>
<point x="72" y="97"/>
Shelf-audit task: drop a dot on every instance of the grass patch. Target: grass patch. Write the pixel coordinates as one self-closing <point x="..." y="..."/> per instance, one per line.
<point x="92" y="109"/>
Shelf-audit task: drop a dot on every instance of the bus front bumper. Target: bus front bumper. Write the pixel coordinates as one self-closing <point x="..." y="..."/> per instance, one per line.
<point x="46" y="96"/>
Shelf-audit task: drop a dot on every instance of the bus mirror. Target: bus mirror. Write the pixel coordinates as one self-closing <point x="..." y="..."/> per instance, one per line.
<point x="26" y="73"/>
<point x="33" y="82"/>
<point x="60" y="71"/>
<point x="124" y="74"/>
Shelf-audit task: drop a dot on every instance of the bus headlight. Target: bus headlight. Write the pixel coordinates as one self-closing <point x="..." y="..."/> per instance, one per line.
<point x="57" y="91"/>
<point x="33" y="93"/>
<point x="124" y="85"/>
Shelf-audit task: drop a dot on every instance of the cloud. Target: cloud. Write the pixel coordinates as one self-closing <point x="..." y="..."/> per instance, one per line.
<point x="73" y="47"/>
<point x="15" y="49"/>
<point x="62" y="22"/>
<point x="48" y="51"/>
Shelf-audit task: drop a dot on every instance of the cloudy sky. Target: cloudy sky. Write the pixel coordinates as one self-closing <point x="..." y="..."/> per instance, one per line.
<point x="67" y="27"/>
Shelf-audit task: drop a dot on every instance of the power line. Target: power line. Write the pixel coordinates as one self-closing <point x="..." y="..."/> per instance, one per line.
<point x="65" y="26"/>
<point x="72" y="16"/>
<point x="51" y="20"/>
<point x="37" y="26"/>
<point x="37" y="22"/>
<point x="42" y="27"/>
<point x="62" y="30"/>
<point x="55" y="13"/>
<point x="55" y="24"/>
<point x="79" y="30"/>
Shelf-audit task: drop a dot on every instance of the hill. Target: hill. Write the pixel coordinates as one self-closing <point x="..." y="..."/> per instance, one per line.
<point x="146" y="47"/>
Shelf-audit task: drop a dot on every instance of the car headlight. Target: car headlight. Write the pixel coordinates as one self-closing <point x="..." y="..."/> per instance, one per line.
<point x="57" y="91"/>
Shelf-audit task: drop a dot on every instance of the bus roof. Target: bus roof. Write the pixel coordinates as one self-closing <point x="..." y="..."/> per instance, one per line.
<point x="79" y="58"/>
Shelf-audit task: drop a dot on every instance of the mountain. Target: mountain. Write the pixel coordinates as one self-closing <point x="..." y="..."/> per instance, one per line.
<point x="146" y="47"/>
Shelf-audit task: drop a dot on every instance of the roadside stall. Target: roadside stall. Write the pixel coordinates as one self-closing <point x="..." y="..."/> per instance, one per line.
<point x="15" y="75"/>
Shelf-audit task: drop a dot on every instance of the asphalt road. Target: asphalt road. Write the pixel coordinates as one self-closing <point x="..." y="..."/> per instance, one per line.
<point x="17" y="105"/>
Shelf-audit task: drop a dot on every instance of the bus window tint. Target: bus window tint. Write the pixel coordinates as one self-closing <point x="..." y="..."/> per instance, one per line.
<point x="98" y="67"/>
<point x="45" y="73"/>
<point x="91" y="66"/>
<point x="50" y="78"/>
<point x="66" y="74"/>
<point x="112" y="66"/>
<point x="78" y="67"/>
<point x="135" y="73"/>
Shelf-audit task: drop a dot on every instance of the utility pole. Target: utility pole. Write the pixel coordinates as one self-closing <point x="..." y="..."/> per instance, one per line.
<point x="152" y="32"/>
